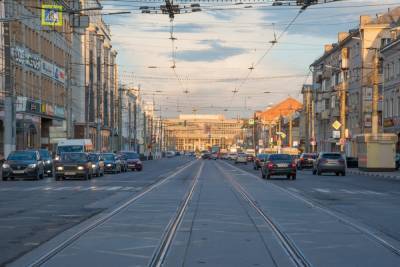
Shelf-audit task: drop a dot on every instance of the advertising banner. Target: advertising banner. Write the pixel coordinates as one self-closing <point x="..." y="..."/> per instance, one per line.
<point x="52" y="15"/>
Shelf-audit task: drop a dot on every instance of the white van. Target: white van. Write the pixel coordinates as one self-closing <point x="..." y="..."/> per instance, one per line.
<point x="74" y="145"/>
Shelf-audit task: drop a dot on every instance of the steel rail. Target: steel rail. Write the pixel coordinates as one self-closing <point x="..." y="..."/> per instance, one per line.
<point x="161" y="252"/>
<point x="291" y="249"/>
<point x="57" y="249"/>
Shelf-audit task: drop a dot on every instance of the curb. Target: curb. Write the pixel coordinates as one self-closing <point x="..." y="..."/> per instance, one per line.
<point x="375" y="174"/>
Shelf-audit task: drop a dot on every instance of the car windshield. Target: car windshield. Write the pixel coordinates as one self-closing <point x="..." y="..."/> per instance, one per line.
<point x="131" y="155"/>
<point x="68" y="149"/>
<point x="44" y="154"/>
<point x="279" y="157"/>
<point x="74" y="157"/>
<point x="331" y="156"/>
<point x="108" y="156"/>
<point x="22" y="155"/>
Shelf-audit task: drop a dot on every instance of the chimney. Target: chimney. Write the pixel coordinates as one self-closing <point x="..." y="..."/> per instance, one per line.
<point x="342" y="36"/>
<point x="364" y="19"/>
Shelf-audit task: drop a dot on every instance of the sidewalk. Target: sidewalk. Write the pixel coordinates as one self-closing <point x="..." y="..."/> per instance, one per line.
<point x="388" y="175"/>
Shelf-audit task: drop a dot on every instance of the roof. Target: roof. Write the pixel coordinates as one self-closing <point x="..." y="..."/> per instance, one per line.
<point x="285" y="108"/>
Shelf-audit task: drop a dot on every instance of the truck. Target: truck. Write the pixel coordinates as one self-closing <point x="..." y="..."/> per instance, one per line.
<point x="74" y="145"/>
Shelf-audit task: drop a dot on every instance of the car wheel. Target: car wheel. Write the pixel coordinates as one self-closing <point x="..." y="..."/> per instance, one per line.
<point x="288" y="176"/>
<point x="337" y="174"/>
<point x="4" y="178"/>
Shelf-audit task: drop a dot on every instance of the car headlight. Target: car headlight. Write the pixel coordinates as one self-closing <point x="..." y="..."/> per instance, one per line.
<point x="80" y="168"/>
<point x="109" y="165"/>
<point x="94" y="166"/>
<point x="57" y="158"/>
<point x="60" y="168"/>
<point x="6" y="166"/>
<point x="48" y="161"/>
<point x="32" y="166"/>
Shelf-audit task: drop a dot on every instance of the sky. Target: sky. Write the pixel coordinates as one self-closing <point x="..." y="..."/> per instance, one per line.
<point x="223" y="56"/>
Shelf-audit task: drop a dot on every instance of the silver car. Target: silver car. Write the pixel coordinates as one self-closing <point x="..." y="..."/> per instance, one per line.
<point x="241" y="158"/>
<point x="333" y="162"/>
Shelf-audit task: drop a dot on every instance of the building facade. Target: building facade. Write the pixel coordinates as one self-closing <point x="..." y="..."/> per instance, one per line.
<point x="343" y="77"/>
<point x="36" y="76"/>
<point x="201" y="131"/>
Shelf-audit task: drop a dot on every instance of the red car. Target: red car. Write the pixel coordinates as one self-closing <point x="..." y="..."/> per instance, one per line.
<point x="133" y="161"/>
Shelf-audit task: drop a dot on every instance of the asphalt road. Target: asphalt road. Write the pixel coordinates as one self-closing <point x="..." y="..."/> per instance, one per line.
<point x="32" y="212"/>
<point x="214" y="213"/>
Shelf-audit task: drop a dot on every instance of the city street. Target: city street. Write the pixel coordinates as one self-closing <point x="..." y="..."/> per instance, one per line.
<point x="208" y="213"/>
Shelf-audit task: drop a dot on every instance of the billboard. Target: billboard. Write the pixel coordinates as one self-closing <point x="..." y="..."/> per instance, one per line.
<point x="52" y="15"/>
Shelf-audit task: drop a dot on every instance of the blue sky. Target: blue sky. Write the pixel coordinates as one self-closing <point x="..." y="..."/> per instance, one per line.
<point x="214" y="50"/>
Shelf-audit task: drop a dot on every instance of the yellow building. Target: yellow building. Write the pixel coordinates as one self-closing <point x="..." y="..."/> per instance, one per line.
<point x="201" y="131"/>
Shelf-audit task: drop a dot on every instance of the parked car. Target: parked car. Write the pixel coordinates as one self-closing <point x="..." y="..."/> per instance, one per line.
<point x="279" y="164"/>
<point x="330" y="162"/>
<point x="133" y="160"/>
<point x="111" y="163"/>
<point x="97" y="164"/>
<point x="73" y="164"/>
<point x="306" y="160"/>
<point x="47" y="161"/>
<point x="241" y="158"/>
<point x="170" y="154"/>
<point x="259" y="160"/>
<point x="352" y="162"/>
<point x="397" y="161"/>
<point x="23" y="164"/>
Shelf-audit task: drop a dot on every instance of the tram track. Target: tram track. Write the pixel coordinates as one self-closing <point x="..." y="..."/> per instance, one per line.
<point x="52" y="252"/>
<point x="173" y="226"/>
<point x="381" y="241"/>
<point x="287" y="244"/>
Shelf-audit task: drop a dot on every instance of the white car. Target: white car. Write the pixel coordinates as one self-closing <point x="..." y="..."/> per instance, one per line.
<point x="241" y="158"/>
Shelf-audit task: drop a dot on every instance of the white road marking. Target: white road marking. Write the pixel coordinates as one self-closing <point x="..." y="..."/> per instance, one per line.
<point x="321" y="190"/>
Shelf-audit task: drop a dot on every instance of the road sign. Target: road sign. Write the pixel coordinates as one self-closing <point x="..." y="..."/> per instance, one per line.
<point x="336" y="125"/>
<point x="251" y="121"/>
<point x="336" y="134"/>
<point x="52" y="15"/>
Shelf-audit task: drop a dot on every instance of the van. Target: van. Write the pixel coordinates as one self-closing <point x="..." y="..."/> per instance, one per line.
<point x="74" y="145"/>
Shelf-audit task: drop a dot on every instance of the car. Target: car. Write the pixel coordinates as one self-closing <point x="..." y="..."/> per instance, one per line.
<point x="250" y="158"/>
<point x="97" y="164"/>
<point x="330" y="162"/>
<point x="259" y="160"/>
<point x="112" y="163"/>
<point x="241" y="158"/>
<point x="133" y="161"/>
<point x="73" y="165"/>
<point x="170" y="154"/>
<point x="23" y="164"/>
<point x="279" y="164"/>
<point x="232" y="156"/>
<point x="306" y="160"/>
<point x="47" y="161"/>
<point x="206" y="155"/>
<point x="214" y="156"/>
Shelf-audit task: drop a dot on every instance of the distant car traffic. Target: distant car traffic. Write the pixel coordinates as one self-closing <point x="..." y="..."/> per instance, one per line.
<point x="330" y="162"/>
<point x="214" y="156"/>
<point x="23" y="164"/>
<point x="206" y="155"/>
<point x="250" y="158"/>
<point x="112" y="163"/>
<point x="97" y="164"/>
<point x="232" y="156"/>
<point x="259" y="160"/>
<point x="279" y="164"/>
<point x="306" y="160"/>
<point x="73" y="164"/>
<point x="133" y="161"/>
<point x="241" y="158"/>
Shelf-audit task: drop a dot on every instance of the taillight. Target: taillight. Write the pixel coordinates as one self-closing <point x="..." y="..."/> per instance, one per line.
<point x="293" y="165"/>
<point x="270" y="165"/>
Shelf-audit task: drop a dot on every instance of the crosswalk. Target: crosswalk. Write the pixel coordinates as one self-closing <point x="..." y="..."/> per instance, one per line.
<point x="70" y="188"/>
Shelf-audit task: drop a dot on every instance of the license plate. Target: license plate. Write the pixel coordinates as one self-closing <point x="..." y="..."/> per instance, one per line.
<point x="70" y="173"/>
<point x="18" y="172"/>
<point x="282" y="165"/>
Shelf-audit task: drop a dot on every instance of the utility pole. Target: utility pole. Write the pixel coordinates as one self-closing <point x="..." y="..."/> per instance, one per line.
<point x="254" y="132"/>
<point x="144" y="132"/>
<point x="9" y="107"/>
<point x="343" y="93"/>
<point x="119" y="118"/>
<point x="375" y="95"/>
<point x="129" y="125"/>
<point x="290" y="131"/>
<point x="135" y="125"/>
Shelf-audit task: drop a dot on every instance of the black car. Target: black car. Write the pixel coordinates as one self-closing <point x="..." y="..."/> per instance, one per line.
<point x="47" y="161"/>
<point x="74" y="164"/>
<point x="133" y="160"/>
<point x="306" y="160"/>
<point x="97" y="164"/>
<point x="112" y="163"/>
<point x="279" y="164"/>
<point x="23" y="164"/>
<point x="259" y="160"/>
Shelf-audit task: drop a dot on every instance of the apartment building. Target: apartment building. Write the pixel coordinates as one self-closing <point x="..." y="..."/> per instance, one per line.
<point x="346" y="67"/>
